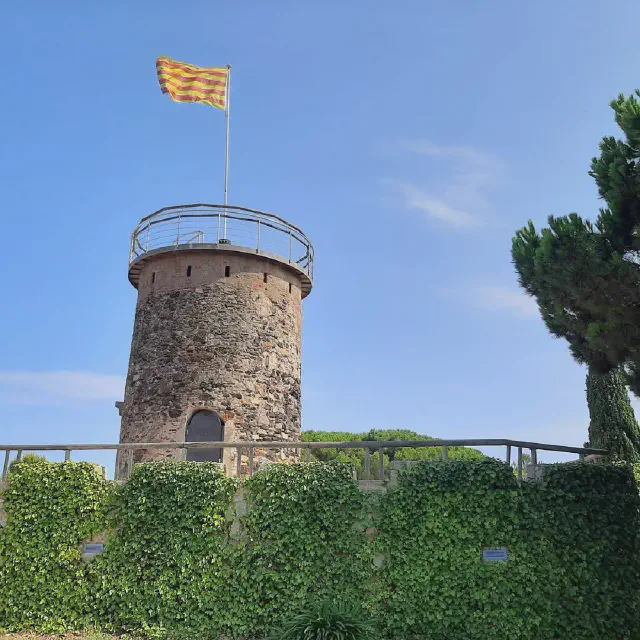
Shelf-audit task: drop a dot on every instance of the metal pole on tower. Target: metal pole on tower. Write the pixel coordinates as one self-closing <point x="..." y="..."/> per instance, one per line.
<point x="227" y="114"/>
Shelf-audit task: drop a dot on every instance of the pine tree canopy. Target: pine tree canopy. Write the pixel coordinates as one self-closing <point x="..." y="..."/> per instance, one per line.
<point x="586" y="276"/>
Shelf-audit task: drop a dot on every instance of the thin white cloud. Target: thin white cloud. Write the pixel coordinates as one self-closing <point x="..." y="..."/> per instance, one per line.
<point x="459" y="200"/>
<point x="470" y="155"/>
<point x="78" y="386"/>
<point x="502" y="299"/>
<point x="420" y="200"/>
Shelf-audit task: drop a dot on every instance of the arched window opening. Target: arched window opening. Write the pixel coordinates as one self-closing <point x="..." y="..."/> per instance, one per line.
<point x="205" y="426"/>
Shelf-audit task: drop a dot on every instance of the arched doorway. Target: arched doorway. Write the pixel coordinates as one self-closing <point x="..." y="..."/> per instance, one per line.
<point x="205" y="426"/>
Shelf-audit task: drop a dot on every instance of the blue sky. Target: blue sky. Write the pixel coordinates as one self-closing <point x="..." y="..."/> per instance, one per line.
<point x="409" y="142"/>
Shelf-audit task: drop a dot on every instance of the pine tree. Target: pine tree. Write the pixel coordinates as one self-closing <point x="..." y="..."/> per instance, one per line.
<point x="586" y="280"/>
<point x="612" y="423"/>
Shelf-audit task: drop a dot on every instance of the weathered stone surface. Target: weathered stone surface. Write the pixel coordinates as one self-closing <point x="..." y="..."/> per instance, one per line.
<point x="379" y="560"/>
<point x="369" y="486"/>
<point x="535" y="471"/>
<point x="207" y="341"/>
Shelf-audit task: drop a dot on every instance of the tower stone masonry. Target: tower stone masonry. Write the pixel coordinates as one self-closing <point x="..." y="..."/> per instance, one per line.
<point x="218" y="330"/>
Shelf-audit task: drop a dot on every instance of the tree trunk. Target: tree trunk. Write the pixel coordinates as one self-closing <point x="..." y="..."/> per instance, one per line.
<point x="613" y="424"/>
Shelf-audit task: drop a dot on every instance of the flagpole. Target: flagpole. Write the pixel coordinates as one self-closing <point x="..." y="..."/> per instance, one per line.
<point x="226" y="161"/>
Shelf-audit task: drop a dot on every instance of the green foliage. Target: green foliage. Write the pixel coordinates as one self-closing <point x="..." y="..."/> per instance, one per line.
<point x="168" y="562"/>
<point x="588" y="514"/>
<point x="302" y="542"/>
<point x="586" y="277"/>
<point x="52" y="509"/>
<point x="613" y="424"/>
<point x="192" y="555"/>
<point x="331" y="436"/>
<point x="526" y="459"/>
<point x="356" y="457"/>
<point x="329" y="620"/>
<point x="586" y="280"/>
<point x="29" y="457"/>
<point x="572" y="560"/>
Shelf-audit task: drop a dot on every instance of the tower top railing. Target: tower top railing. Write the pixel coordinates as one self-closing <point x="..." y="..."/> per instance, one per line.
<point x="217" y="224"/>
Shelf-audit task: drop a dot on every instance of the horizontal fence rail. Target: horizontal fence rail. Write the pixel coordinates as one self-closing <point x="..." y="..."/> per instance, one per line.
<point x="194" y="224"/>
<point x="250" y="446"/>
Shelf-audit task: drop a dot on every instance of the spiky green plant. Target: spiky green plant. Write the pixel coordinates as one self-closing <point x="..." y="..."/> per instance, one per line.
<point x="328" y="620"/>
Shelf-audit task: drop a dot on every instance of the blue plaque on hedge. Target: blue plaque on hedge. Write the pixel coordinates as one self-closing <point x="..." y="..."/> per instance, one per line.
<point x="91" y="550"/>
<point x="495" y="555"/>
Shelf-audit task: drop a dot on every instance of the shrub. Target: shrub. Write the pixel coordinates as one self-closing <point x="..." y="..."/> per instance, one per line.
<point x="356" y="457"/>
<point x="329" y="620"/>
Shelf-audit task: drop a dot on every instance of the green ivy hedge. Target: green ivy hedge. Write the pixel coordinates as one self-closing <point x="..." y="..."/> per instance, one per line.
<point x="573" y="553"/>
<point x="52" y="509"/>
<point x="192" y="554"/>
<point x="302" y="541"/>
<point x="167" y="564"/>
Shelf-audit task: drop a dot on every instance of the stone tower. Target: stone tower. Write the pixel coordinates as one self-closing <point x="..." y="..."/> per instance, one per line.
<point x="216" y="349"/>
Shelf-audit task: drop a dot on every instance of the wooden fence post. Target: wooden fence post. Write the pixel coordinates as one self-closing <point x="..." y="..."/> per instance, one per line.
<point x="5" y="468"/>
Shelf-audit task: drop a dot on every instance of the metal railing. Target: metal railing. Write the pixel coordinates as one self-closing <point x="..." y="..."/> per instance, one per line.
<point x="191" y="224"/>
<point x="307" y="447"/>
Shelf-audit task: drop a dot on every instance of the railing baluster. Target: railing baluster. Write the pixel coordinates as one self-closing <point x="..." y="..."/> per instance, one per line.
<point x="129" y="462"/>
<point x="259" y="227"/>
<point x="5" y="468"/>
<point x="519" y="463"/>
<point x="127" y="450"/>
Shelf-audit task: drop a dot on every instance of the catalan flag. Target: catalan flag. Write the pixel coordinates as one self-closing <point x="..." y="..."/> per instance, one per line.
<point x="186" y="83"/>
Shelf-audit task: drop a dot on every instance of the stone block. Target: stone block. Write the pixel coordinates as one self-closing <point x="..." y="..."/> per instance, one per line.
<point x="535" y="471"/>
<point x="378" y="560"/>
<point x="370" y="486"/>
<point x="241" y="506"/>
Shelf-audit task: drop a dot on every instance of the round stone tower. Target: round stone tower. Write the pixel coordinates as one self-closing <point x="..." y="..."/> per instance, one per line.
<point x="216" y="349"/>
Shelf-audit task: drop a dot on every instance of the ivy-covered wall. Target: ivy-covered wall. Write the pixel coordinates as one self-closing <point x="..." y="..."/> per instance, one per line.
<point x="192" y="554"/>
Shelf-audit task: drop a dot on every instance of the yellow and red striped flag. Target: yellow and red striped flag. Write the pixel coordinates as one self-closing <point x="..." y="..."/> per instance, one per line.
<point x="186" y="83"/>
